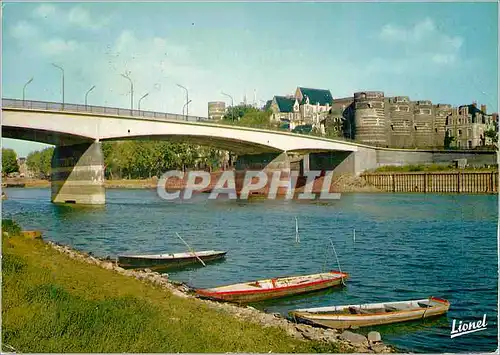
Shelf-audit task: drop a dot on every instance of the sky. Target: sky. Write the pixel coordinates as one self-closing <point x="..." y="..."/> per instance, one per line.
<point x="443" y="52"/>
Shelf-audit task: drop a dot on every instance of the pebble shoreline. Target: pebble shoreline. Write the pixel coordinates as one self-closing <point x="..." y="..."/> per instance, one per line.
<point x="348" y="340"/>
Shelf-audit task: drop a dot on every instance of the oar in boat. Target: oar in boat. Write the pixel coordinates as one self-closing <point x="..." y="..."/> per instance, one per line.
<point x="191" y="249"/>
<point x="297" y="238"/>
<point x="338" y="263"/>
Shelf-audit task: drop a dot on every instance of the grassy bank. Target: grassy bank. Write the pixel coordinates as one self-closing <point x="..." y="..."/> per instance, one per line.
<point x="52" y="303"/>
<point x="425" y="168"/>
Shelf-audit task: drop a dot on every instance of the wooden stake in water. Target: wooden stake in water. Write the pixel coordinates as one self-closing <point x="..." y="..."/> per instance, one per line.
<point x="338" y="263"/>
<point x="297" y="238"/>
<point x="190" y="249"/>
<point x="354" y="234"/>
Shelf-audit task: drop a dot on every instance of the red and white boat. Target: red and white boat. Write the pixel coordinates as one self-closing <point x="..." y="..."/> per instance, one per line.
<point x="260" y="290"/>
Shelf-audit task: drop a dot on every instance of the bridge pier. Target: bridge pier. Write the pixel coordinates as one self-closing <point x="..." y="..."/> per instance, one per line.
<point x="269" y="164"/>
<point x="339" y="162"/>
<point x="266" y="162"/>
<point x="78" y="174"/>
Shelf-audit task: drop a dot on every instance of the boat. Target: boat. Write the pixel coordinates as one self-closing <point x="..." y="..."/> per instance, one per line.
<point x="353" y="316"/>
<point x="166" y="261"/>
<point x="261" y="290"/>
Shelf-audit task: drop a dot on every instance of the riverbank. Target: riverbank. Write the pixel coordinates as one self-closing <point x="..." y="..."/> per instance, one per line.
<point x="343" y="183"/>
<point x="56" y="299"/>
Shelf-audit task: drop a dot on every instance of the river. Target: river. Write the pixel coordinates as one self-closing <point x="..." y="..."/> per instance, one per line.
<point x="406" y="246"/>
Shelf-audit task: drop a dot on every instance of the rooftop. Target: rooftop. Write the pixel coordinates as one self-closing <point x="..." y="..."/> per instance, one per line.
<point x="321" y="96"/>
<point x="285" y="104"/>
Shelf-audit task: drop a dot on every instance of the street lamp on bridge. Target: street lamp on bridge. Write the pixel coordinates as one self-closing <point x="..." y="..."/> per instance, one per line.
<point x="87" y="93"/>
<point x="187" y="101"/>
<point x="232" y="104"/>
<point x="126" y="76"/>
<point x="62" y="72"/>
<point x="139" y="103"/>
<point x="24" y="88"/>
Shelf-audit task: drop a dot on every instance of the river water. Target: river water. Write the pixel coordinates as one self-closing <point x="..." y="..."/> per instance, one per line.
<point x="407" y="246"/>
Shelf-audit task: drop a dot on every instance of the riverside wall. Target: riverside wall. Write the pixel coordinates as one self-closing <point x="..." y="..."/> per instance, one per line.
<point x="366" y="159"/>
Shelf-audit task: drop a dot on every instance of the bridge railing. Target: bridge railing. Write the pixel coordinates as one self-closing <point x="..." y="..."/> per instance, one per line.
<point x="57" y="106"/>
<point x="75" y="108"/>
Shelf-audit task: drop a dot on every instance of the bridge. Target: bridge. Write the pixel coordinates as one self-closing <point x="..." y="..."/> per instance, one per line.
<point x="78" y="130"/>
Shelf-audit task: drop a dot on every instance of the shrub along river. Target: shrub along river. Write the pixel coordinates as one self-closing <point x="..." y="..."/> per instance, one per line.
<point x="406" y="246"/>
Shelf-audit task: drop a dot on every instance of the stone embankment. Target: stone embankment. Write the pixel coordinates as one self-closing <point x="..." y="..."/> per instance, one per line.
<point x="349" y="341"/>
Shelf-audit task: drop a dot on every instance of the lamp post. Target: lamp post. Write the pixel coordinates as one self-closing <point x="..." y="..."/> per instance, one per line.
<point x="87" y="94"/>
<point x="62" y="72"/>
<point x="24" y="88"/>
<point x="232" y="104"/>
<point x="187" y="103"/>
<point x="139" y="103"/>
<point x="187" y="100"/>
<point x="131" y="91"/>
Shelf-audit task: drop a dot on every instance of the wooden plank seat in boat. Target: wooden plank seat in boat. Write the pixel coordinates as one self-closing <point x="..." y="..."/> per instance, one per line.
<point x="396" y="307"/>
<point x="371" y="310"/>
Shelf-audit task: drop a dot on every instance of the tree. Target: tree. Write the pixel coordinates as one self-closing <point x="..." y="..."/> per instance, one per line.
<point x="448" y="139"/>
<point x="492" y="134"/>
<point x="39" y="162"/>
<point x="144" y="159"/>
<point x="235" y="113"/>
<point x="9" y="161"/>
<point x="257" y="119"/>
<point x="334" y="124"/>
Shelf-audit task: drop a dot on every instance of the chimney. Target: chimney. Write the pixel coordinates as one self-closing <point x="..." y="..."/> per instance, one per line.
<point x="483" y="108"/>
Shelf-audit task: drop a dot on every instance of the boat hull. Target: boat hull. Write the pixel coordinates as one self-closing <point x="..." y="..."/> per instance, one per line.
<point x="249" y="296"/>
<point x="127" y="262"/>
<point x="346" y="321"/>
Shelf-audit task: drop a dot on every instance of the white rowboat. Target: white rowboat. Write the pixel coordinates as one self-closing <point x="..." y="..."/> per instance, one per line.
<point x="348" y="316"/>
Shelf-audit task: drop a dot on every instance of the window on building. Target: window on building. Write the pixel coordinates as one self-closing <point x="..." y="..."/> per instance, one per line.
<point x="436" y="130"/>
<point x="415" y="128"/>
<point x="469" y="144"/>
<point x="459" y="132"/>
<point x="392" y="127"/>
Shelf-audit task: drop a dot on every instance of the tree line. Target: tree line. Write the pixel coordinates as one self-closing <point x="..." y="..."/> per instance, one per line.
<point x="9" y="161"/>
<point x="145" y="159"/>
<point x="140" y="159"/>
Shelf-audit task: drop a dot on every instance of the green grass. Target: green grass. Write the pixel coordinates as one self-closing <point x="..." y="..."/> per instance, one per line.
<point x="426" y="167"/>
<point x="52" y="303"/>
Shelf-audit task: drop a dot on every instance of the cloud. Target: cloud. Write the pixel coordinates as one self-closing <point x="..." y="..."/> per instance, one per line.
<point x="44" y="11"/>
<point x="23" y="30"/>
<point x="58" y="46"/>
<point x="421" y="47"/>
<point x="80" y="17"/>
<point x="154" y="64"/>
<point x="75" y="17"/>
